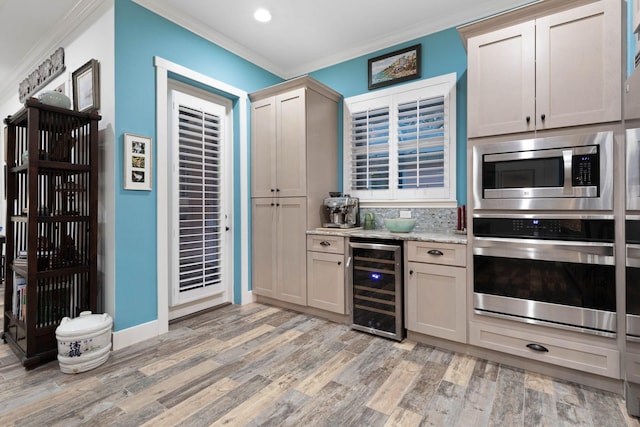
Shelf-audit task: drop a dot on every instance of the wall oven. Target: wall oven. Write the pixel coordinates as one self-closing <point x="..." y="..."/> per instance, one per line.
<point x="553" y="173"/>
<point x="553" y="270"/>
<point x="633" y="277"/>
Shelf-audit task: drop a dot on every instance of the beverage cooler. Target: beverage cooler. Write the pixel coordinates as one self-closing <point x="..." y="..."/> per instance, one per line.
<point x="375" y="272"/>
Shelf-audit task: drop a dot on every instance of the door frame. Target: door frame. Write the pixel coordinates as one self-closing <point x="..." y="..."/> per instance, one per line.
<point x="241" y="265"/>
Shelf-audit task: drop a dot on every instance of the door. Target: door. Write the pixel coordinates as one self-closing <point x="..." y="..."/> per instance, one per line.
<point x="325" y="281"/>
<point x="291" y="175"/>
<point x="578" y="66"/>
<point x="200" y="217"/>
<point x="263" y="246"/>
<point x="291" y="249"/>
<point x="263" y="148"/>
<point x="501" y="92"/>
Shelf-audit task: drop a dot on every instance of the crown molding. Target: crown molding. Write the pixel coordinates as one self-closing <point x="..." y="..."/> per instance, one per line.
<point x="206" y="32"/>
<point x="47" y="44"/>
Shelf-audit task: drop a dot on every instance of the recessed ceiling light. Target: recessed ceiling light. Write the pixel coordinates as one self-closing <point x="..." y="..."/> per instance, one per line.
<point x="262" y="15"/>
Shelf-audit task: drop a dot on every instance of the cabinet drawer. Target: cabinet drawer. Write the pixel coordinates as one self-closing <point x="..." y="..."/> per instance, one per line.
<point x="437" y="253"/>
<point x="328" y="244"/>
<point x="595" y="359"/>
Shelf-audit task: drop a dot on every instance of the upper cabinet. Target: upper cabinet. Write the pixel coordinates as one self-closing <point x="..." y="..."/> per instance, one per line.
<point x="279" y="146"/>
<point x="559" y="69"/>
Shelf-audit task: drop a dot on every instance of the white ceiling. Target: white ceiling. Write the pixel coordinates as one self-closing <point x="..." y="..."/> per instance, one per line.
<point x="303" y="35"/>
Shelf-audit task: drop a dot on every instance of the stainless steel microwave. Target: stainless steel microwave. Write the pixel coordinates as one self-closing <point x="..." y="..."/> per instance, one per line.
<point x="554" y="173"/>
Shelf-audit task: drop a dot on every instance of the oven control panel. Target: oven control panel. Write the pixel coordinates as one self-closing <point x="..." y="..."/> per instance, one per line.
<point x="597" y="230"/>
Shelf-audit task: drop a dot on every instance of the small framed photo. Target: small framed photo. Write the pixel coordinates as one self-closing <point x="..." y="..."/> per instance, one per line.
<point x="395" y="67"/>
<point x="137" y="162"/>
<point x="86" y="87"/>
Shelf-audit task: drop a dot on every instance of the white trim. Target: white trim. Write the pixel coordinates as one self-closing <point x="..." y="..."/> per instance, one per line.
<point x="126" y="337"/>
<point x="163" y="67"/>
<point x="443" y="85"/>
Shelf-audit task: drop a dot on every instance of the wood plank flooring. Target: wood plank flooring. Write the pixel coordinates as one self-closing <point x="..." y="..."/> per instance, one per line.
<point x="257" y="365"/>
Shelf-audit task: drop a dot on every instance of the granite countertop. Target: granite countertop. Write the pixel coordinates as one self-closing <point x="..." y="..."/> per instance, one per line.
<point x="445" y="236"/>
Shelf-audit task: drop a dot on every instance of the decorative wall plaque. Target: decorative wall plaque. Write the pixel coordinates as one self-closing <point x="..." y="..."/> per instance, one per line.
<point x="47" y="71"/>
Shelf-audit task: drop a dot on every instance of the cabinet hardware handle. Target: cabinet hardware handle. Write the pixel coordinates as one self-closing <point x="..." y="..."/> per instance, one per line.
<point x="325" y="243"/>
<point x="528" y="119"/>
<point x="273" y="190"/>
<point x="410" y="272"/>
<point x="226" y="229"/>
<point x="277" y="190"/>
<point x="543" y="116"/>
<point x="435" y="252"/>
<point x="273" y="204"/>
<point x="538" y="347"/>
<point x="339" y="262"/>
<point x="277" y="204"/>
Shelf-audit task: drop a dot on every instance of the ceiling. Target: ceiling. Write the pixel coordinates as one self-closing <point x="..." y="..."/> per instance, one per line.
<point x="303" y="35"/>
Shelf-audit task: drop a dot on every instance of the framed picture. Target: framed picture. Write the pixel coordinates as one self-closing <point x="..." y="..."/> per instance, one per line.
<point x="86" y="87"/>
<point x="395" y="67"/>
<point x="137" y="162"/>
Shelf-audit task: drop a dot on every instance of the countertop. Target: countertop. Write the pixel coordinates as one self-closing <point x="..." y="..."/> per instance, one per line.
<point x="422" y="236"/>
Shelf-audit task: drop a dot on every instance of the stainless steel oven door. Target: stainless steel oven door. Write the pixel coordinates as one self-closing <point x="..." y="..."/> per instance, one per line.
<point x="564" y="284"/>
<point x="633" y="291"/>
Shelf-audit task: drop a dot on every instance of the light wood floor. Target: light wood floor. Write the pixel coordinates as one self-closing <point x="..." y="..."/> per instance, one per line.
<point x="259" y="365"/>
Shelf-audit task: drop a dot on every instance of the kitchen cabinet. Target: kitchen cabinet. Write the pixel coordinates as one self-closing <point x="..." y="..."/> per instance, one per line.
<point x="326" y="273"/>
<point x="278" y="258"/>
<point x="436" y="290"/>
<point x="278" y="145"/>
<point x="557" y="70"/>
<point x="588" y="354"/>
<point x="294" y="148"/>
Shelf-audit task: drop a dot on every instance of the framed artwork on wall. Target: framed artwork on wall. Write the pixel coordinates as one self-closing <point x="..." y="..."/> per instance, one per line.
<point x="395" y="67"/>
<point x="86" y="87"/>
<point x="137" y="162"/>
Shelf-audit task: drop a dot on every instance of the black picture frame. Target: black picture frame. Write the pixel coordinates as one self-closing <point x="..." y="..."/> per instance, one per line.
<point x="395" y="67"/>
<point x="86" y="87"/>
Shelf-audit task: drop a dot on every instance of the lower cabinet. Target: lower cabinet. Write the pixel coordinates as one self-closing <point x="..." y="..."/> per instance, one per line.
<point x="436" y="290"/>
<point x="278" y="250"/>
<point x="556" y="349"/>
<point x="326" y="273"/>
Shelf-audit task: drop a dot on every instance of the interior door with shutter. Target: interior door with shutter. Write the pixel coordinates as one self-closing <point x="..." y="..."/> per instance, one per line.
<point x="200" y="262"/>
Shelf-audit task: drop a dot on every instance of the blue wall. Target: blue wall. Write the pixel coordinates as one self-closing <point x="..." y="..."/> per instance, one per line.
<point x="139" y="36"/>
<point x="442" y="53"/>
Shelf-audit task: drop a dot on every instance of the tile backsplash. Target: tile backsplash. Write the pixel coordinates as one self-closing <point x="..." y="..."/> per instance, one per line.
<point x="428" y="219"/>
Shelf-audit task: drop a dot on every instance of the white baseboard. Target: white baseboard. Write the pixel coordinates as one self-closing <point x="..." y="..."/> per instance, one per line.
<point x="136" y="334"/>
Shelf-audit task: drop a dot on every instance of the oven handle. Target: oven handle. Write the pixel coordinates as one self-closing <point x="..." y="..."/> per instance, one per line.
<point x="546" y="250"/>
<point x="633" y="255"/>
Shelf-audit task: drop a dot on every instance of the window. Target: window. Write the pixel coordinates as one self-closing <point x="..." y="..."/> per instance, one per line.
<point x="400" y="144"/>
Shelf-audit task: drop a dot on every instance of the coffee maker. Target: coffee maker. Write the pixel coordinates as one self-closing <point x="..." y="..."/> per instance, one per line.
<point x="341" y="211"/>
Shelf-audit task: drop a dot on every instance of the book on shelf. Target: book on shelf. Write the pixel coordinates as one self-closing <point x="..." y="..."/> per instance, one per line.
<point x="19" y="297"/>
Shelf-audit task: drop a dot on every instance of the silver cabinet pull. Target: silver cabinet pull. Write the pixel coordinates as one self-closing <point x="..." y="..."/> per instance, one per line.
<point x="435" y="252"/>
<point x="537" y="347"/>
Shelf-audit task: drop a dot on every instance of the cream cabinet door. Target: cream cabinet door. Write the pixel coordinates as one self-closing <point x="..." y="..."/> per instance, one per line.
<point x="436" y="301"/>
<point x="501" y="81"/>
<point x="578" y="66"/>
<point x="291" y="175"/>
<point x="263" y="148"/>
<point x="263" y="252"/>
<point x="291" y="276"/>
<point x="325" y="281"/>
